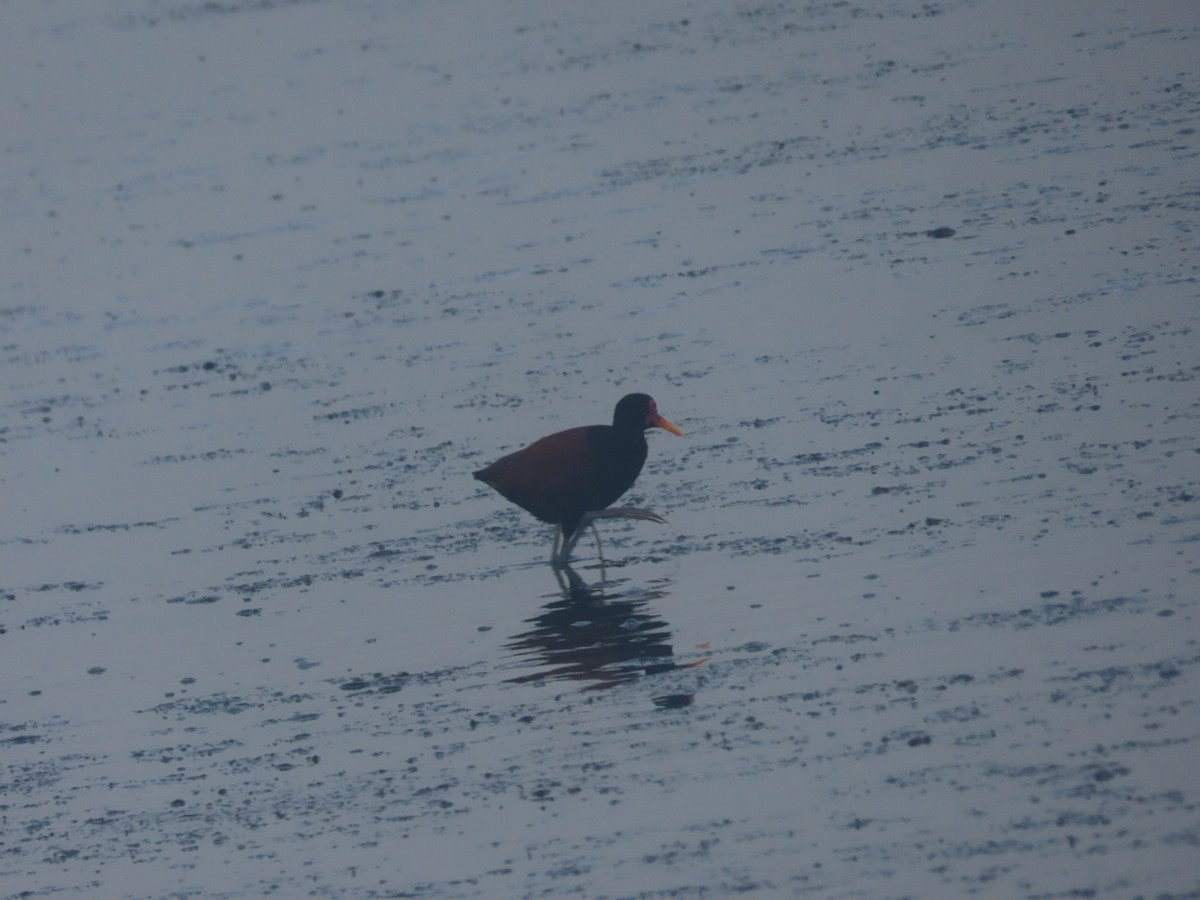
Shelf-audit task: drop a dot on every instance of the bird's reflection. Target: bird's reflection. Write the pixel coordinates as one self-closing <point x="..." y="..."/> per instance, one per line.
<point x="596" y="636"/>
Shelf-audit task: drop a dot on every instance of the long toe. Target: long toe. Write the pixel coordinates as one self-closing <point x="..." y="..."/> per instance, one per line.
<point x="625" y="512"/>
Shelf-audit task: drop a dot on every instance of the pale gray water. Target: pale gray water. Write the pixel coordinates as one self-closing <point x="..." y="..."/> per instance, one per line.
<point x="919" y="283"/>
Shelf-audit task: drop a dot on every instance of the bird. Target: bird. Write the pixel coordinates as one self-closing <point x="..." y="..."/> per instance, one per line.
<point x="570" y="478"/>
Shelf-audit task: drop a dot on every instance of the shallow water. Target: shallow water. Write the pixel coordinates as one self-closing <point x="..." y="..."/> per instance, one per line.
<point x="918" y="282"/>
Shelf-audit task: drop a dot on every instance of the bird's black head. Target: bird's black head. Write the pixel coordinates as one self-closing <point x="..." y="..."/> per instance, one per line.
<point x="638" y="412"/>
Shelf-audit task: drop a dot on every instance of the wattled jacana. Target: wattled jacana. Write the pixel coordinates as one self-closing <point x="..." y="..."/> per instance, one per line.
<point x="569" y="478"/>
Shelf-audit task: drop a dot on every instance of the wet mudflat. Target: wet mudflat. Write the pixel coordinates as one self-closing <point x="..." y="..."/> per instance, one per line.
<point x="919" y="283"/>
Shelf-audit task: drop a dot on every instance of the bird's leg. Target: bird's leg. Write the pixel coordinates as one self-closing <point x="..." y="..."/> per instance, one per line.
<point x="568" y="543"/>
<point x="564" y="543"/>
<point x="557" y="557"/>
<point x="599" y="550"/>
<point x="599" y="546"/>
<point x="622" y="512"/>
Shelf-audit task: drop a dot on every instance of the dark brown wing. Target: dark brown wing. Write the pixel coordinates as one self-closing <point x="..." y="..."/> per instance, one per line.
<point x="550" y="478"/>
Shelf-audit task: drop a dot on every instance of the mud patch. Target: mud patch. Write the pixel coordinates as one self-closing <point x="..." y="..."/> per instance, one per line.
<point x="918" y="283"/>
